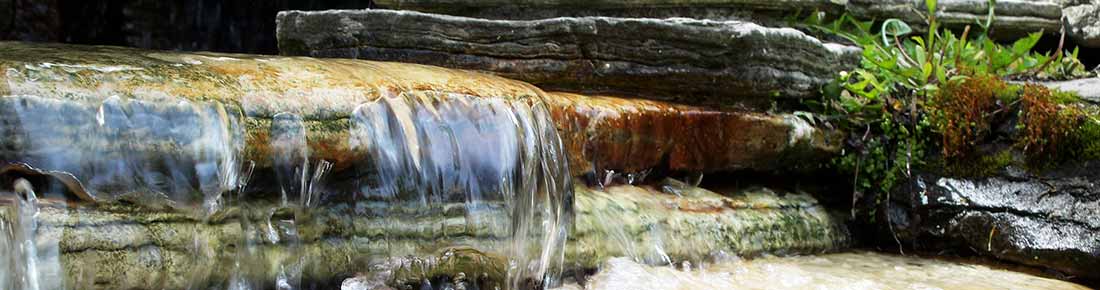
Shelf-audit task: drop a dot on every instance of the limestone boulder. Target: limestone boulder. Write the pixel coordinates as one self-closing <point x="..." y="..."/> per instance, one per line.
<point x="690" y="61"/>
<point x="628" y="135"/>
<point x="150" y="112"/>
<point x="1014" y="17"/>
<point x="132" y="246"/>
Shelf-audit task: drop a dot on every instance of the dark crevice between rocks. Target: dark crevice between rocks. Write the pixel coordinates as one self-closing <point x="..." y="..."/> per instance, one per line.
<point x="203" y="25"/>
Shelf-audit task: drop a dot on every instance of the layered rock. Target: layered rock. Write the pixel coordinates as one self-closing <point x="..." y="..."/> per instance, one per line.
<point x="252" y="103"/>
<point x="112" y="246"/>
<point x="631" y="135"/>
<point x="674" y="222"/>
<point x="693" y="61"/>
<point x="1046" y="220"/>
<point x="1013" y="16"/>
<point x="1083" y="22"/>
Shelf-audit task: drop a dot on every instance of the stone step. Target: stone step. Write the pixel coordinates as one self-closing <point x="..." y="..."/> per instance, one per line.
<point x="630" y="136"/>
<point x="162" y="105"/>
<point x="686" y="60"/>
<point x="1013" y="16"/>
<point x="127" y="246"/>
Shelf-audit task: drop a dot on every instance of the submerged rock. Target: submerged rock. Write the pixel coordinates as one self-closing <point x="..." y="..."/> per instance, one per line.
<point x="693" y="61"/>
<point x="124" y="246"/>
<point x="1046" y="220"/>
<point x="675" y="223"/>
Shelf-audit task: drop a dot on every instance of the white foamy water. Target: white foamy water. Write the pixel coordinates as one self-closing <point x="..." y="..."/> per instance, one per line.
<point x="846" y="271"/>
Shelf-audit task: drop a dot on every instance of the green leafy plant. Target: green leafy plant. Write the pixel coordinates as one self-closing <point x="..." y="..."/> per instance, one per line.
<point x="933" y="93"/>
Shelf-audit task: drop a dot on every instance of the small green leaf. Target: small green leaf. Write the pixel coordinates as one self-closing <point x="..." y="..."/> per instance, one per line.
<point x="894" y="27"/>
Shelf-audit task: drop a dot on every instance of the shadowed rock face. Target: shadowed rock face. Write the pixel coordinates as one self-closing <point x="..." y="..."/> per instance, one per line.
<point x="693" y="61"/>
<point x="321" y="96"/>
<point x="1047" y="220"/>
<point x="127" y="246"/>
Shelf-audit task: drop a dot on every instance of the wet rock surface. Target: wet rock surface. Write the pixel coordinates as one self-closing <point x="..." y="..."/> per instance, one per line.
<point x="631" y="136"/>
<point x="133" y="246"/>
<point x="1083" y="23"/>
<point x="692" y="61"/>
<point x="267" y="96"/>
<point x="673" y="222"/>
<point x="1046" y="220"/>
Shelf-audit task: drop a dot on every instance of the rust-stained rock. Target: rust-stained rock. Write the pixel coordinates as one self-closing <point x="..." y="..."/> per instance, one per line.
<point x="631" y="135"/>
<point x="687" y="60"/>
<point x="143" y="107"/>
<point x="325" y="92"/>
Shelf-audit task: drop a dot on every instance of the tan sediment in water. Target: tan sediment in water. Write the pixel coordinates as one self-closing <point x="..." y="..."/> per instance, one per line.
<point x="844" y="271"/>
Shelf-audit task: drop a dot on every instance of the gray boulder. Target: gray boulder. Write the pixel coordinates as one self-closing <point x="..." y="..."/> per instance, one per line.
<point x="1083" y="23"/>
<point x="1046" y="220"/>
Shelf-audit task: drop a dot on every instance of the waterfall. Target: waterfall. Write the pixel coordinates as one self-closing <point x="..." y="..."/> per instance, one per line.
<point x="435" y="178"/>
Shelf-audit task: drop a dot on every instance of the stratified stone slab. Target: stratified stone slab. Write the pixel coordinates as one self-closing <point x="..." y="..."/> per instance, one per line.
<point x="182" y="109"/>
<point x="133" y="246"/>
<point x="675" y="222"/>
<point x="632" y="135"/>
<point x="681" y="59"/>
<point x="538" y="9"/>
<point x="1013" y="16"/>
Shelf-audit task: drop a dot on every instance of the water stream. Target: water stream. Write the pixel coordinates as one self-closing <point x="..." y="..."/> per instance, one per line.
<point x="436" y="174"/>
<point x="845" y="271"/>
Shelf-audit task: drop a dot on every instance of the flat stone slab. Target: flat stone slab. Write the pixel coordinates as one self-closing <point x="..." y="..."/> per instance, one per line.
<point x="176" y="108"/>
<point x="691" y="61"/>
<point x="629" y="135"/>
<point x="1013" y="16"/>
<point x="1088" y="89"/>
<point x="128" y="246"/>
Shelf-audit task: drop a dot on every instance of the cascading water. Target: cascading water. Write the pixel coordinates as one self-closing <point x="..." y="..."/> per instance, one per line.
<point x="498" y="163"/>
<point x="438" y="178"/>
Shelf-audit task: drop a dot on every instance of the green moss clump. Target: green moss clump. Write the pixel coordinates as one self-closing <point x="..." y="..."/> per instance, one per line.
<point x="961" y="112"/>
<point x="1084" y="139"/>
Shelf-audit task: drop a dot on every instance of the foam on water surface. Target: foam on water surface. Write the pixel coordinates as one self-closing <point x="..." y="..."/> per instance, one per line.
<point x="843" y="271"/>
